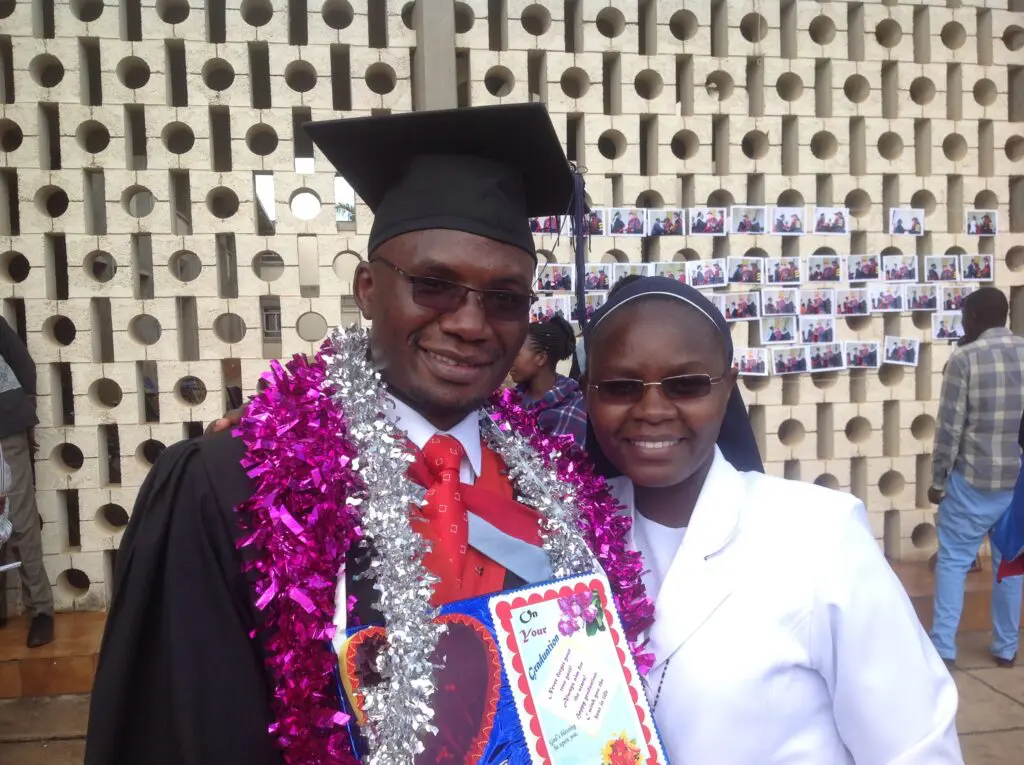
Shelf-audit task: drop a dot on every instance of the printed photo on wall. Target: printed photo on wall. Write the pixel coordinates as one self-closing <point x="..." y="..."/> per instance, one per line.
<point x="547" y="306"/>
<point x="747" y="220"/>
<point x="941" y="268"/>
<point x="673" y="270"/>
<point x="885" y="298"/>
<point x="593" y="301"/>
<point x="596" y="222"/>
<point x="825" y="357"/>
<point x="665" y="223"/>
<point x="900" y="268"/>
<point x="746" y="270"/>
<point x="863" y="268"/>
<point x="597" y="277"/>
<point x="952" y="296"/>
<point x="831" y="221"/>
<point x="705" y="274"/>
<point x="631" y="269"/>
<point x="780" y="329"/>
<point x="742" y="306"/>
<point x="708" y="221"/>
<point x="750" y="362"/>
<point x="862" y="354"/>
<point x="901" y="351"/>
<point x="817" y="302"/>
<point x="921" y="297"/>
<point x="852" y="302"/>
<point x="552" y="225"/>
<point x="817" y="329"/>
<point x="782" y="271"/>
<point x="788" y="221"/>
<point x="555" y="277"/>
<point x="976" y="268"/>
<point x="626" y="221"/>
<point x="780" y="302"/>
<point x="789" y="361"/>
<point x="824" y="268"/>
<point x="947" y="326"/>
<point x="981" y="222"/>
<point x="718" y="301"/>
<point x="906" y="221"/>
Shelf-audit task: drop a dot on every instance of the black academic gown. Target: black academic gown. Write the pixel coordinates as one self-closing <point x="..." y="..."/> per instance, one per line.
<point x="179" y="680"/>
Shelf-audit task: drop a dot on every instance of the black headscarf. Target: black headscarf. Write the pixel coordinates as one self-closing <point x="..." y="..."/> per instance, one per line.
<point x="736" y="439"/>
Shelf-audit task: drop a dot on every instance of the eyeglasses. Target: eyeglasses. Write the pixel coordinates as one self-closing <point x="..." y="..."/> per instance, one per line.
<point x="444" y="296"/>
<point x="678" y="388"/>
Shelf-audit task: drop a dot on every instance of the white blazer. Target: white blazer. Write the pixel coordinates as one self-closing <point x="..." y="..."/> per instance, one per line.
<point x="788" y="639"/>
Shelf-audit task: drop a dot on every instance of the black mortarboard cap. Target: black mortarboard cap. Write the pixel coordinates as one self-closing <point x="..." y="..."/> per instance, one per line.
<point x="484" y="170"/>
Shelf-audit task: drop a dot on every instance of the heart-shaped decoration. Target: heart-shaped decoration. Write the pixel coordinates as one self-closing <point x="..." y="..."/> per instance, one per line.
<point x="467" y="686"/>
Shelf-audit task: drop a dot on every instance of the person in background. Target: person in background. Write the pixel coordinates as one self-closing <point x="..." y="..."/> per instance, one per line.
<point x="556" y="399"/>
<point x="17" y="417"/>
<point x="975" y="466"/>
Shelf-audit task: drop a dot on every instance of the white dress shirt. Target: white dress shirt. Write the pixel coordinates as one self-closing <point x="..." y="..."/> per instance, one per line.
<point x="785" y="638"/>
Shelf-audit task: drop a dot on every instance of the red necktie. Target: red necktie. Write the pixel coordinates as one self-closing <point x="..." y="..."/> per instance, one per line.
<point x="447" y="525"/>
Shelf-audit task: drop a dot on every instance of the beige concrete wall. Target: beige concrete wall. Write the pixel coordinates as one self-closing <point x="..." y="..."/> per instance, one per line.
<point x="665" y="72"/>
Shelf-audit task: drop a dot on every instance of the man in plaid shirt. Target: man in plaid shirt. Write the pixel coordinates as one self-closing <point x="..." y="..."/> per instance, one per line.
<point x="975" y="464"/>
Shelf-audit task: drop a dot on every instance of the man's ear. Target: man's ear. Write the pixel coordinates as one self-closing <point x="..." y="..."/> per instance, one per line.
<point x="363" y="288"/>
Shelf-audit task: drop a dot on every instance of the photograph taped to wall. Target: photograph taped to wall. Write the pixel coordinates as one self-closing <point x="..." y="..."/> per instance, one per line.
<point x="621" y="270"/>
<point x="788" y="221"/>
<point x="852" y="302"/>
<point x="921" y="297"/>
<point x="592" y="301"/>
<point x="708" y="221"/>
<point x="885" y="298"/>
<point x="596" y="222"/>
<point x="947" y="326"/>
<point x="744" y="270"/>
<point x="742" y="306"/>
<point x="976" y="268"/>
<point x="906" y="221"/>
<point x="626" y="221"/>
<point x="981" y="222"/>
<point x="831" y="221"/>
<point x="780" y="302"/>
<point x="747" y="220"/>
<point x="817" y="302"/>
<point x="941" y="268"/>
<point x="901" y="351"/>
<point x="789" y="361"/>
<point x="705" y="274"/>
<point x="674" y="270"/>
<point x="817" y="329"/>
<point x="668" y="222"/>
<point x="825" y="357"/>
<point x="555" y="277"/>
<point x="952" y="296"/>
<point x="863" y="354"/>
<point x="718" y="301"/>
<point x="779" y="329"/>
<point x="547" y="306"/>
<point x="782" y="271"/>
<point x="863" y="268"/>
<point x="900" y="268"/>
<point x="551" y="225"/>
<point x="750" y="362"/>
<point x="825" y="268"/>
<point x="597" y="277"/>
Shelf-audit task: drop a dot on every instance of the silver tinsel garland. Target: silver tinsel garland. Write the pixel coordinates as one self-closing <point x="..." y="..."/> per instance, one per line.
<point x="398" y="710"/>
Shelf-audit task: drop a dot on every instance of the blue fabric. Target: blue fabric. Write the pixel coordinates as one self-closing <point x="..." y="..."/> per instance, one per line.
<point x="965" y="516"/>
<point x="1008" y="533"/>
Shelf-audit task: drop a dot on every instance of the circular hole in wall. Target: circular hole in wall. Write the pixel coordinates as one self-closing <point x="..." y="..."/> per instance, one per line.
<point x="858" y="323"/>
<point x="464" y="18"/>
<point x="536" y="19"/>
<point x="14" y="267"/>
<point x="683" y="25"/>
<point x="922" y="91"/>
<point x="60" y="329"/>
<point x="305" y="204"/>
<point x="648" y="84"/>
<point x="891" y="483"/>
<point x="499" y="81"/>
<point x="753" y="27"/>
<point x="721" y="198"/>
<point x="985" y="92"/>
<point x="218" y="74"/>
<point x="344" y="265"/>
<point x="222" y="202"/>
<point x="46" y="70"/>
<point x="150" y="450"/>
<point x="824" y="145"/>
<point x="575" y="82"/>
<point x="857" y="88"/>
<point x="921" y="319"/>
<point x="229" y="328"/>
<point x="105" y="392"/>
<point x="1013" y="37"/>
<point x="923" y="427"/>
<point x="953" y="35"/>
<point x="890" y="145"/>
<point x="268" y="265"/>
<point x="172" y="11"/>
<point x="1014" y="148"/>
<point x="52" y="200"/>
<point x="858" y="430"/>
<point x="338" y="14"/>
<point x="68" y="456"/>
<point x="754" y="145"/>
<point x="923" y="536"/>
<point x="650" y="200"/>
<point x="858" y="203"/>
<point x="610" y="22"/>
<point x="686" y="255"/>
<point x="300" y="76"/>
<point x="888" y="33"/>
<point x="923" y="199"/>
<point x="261" y="139"/>
<point x="986" y="200"/>
<point x="178" y="137"/>
<point x="257" y="13"/>
<point x="1015" y="258"/>
<point x="185" y="266"/>
<point x="191" y="390"/>
<point x="87" y="10"/>
<point x="74" y="582"/>
<point x="789" y="86"/>
<point x="954" y="146"/>
<point x="133" y="72"/>
<point x="114" y="516"/>
<point x="408" y="15"/>
<point x="144" y="329"/>
<point x="311" y="327"/>
<point x="11" y="135"/>
<point x="719" y="84"/>
<point x="890" y="375"/>
<point x="685" y="144"/>
<point x="791" y="432"/>
<point x="380" y="78"/>
<point x="822" y="30"/>
<point x="827" y="481"/>
<point x="790" y="198"/>
<point x="92" y="136"/>
<point x="100" y="265"/>
<point x="824" y="380"/>
<point x="7" y="8"/>
<point x="611" y="144"/>
<point x="756" y="383"/>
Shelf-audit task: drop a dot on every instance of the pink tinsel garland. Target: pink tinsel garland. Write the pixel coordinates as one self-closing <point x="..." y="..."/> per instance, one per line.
<point x="300" y="529"/>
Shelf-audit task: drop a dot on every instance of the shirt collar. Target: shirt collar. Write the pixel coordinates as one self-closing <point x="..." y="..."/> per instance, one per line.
<point x="419" y="430"/>
<point x="995" y="332"/>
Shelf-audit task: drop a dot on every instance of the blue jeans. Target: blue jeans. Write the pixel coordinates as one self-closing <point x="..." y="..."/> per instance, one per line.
<point x="965" y="516"/>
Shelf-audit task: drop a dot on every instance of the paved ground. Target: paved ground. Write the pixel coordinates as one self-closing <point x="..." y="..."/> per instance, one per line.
<point x="50" y="731"/>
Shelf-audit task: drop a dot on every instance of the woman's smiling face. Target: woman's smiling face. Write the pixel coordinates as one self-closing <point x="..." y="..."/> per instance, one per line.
<point x="657" y="441"/>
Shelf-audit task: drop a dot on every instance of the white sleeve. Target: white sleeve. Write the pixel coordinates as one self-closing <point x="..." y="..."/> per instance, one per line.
<point x="893" y="700"/>
<point x="5" y="475"/>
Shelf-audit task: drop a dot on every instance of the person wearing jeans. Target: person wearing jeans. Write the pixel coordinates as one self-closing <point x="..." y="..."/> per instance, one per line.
<point x="975" y="466"/>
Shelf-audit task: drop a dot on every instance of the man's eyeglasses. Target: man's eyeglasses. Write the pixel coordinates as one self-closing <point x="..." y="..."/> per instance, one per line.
<point x="444" y="296"/>
<point x="678" y="388"/>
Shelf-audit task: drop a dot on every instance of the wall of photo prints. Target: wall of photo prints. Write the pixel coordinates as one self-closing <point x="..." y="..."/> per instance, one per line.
<point x="793" y="302"/>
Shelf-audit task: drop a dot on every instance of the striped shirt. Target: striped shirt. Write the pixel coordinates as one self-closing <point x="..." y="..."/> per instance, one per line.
<point x="980" y="411"/>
